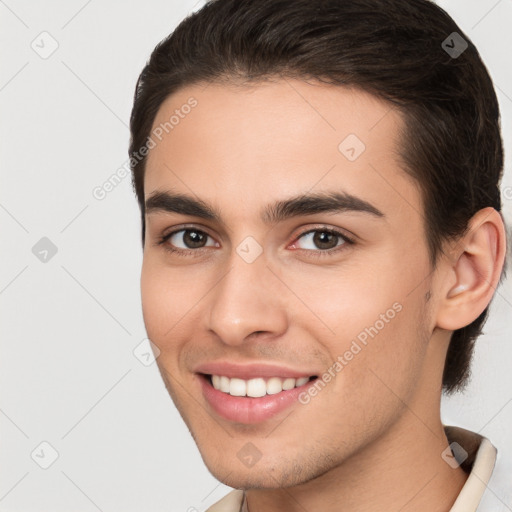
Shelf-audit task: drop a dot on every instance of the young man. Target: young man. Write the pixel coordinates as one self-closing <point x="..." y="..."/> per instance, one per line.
<point x="319" y="189"/>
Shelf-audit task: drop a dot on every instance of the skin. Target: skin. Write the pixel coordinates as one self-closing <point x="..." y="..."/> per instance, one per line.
<point x="372" y="439"/>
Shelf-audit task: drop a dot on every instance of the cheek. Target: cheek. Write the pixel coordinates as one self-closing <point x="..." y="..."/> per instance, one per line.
<point x="373" y="374"/>
<point x="165" y="300"/>
<point x="342" y="303"/>
<point x="372" y="322"/>
<point x="154" y="300"/>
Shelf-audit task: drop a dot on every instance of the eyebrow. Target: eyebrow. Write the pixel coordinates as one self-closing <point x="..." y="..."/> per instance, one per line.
<point x="305" y="204"/>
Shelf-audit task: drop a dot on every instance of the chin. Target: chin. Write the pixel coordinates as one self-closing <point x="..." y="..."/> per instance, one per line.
<point x="254" y="479"/>
<point x="274" y="474"/>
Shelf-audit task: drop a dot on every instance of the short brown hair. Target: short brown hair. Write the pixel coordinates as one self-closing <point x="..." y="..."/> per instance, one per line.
<point x="396" y="50"/>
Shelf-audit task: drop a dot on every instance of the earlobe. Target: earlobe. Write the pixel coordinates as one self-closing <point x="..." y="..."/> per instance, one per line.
<point x="477" y="266"/>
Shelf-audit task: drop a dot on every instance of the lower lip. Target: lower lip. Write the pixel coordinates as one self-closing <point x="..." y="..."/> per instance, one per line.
<point x="245" y="409"/>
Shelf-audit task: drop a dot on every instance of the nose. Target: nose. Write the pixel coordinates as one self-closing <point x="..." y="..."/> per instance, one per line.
<point x="245" y="301"/>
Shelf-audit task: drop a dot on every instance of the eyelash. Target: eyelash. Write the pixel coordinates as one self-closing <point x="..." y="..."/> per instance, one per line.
<point x="318" y="253"/>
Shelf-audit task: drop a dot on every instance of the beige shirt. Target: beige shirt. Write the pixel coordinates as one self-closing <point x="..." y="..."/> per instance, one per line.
<point x="479" y="463"/>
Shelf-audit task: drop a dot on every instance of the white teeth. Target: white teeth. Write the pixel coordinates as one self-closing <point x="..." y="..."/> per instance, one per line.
<point x="255" y="387"/>
<point x="224" y="384"/>
<point x="237" y="387"/>
<point x="288" y="384"/>
<point x="301" y="381"/>
<point x="275" y="385"/>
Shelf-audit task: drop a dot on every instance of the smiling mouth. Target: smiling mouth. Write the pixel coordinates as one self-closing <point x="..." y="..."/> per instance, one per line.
<point x="256" y="387"/>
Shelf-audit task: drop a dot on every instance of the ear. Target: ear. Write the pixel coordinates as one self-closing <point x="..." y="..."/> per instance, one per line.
<point x="474" y="272"/>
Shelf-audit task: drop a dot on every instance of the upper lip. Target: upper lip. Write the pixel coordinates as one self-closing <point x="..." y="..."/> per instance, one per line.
<point x="250" y="370"/>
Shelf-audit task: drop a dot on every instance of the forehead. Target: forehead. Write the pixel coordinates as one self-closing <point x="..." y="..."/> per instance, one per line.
<point x="241" y="145"/>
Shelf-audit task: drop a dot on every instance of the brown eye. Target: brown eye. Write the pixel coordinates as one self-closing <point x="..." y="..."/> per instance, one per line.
<point x="189" y="239"/>
<point x="193" y="239"/>
<point x="325" y="240"/>
<point x="321" y="239"/>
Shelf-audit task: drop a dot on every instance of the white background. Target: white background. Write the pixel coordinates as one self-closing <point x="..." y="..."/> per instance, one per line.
<point x="69" y="326"/>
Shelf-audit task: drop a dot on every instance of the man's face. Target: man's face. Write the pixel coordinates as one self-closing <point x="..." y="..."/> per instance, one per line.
<point x="270" y="300"/>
